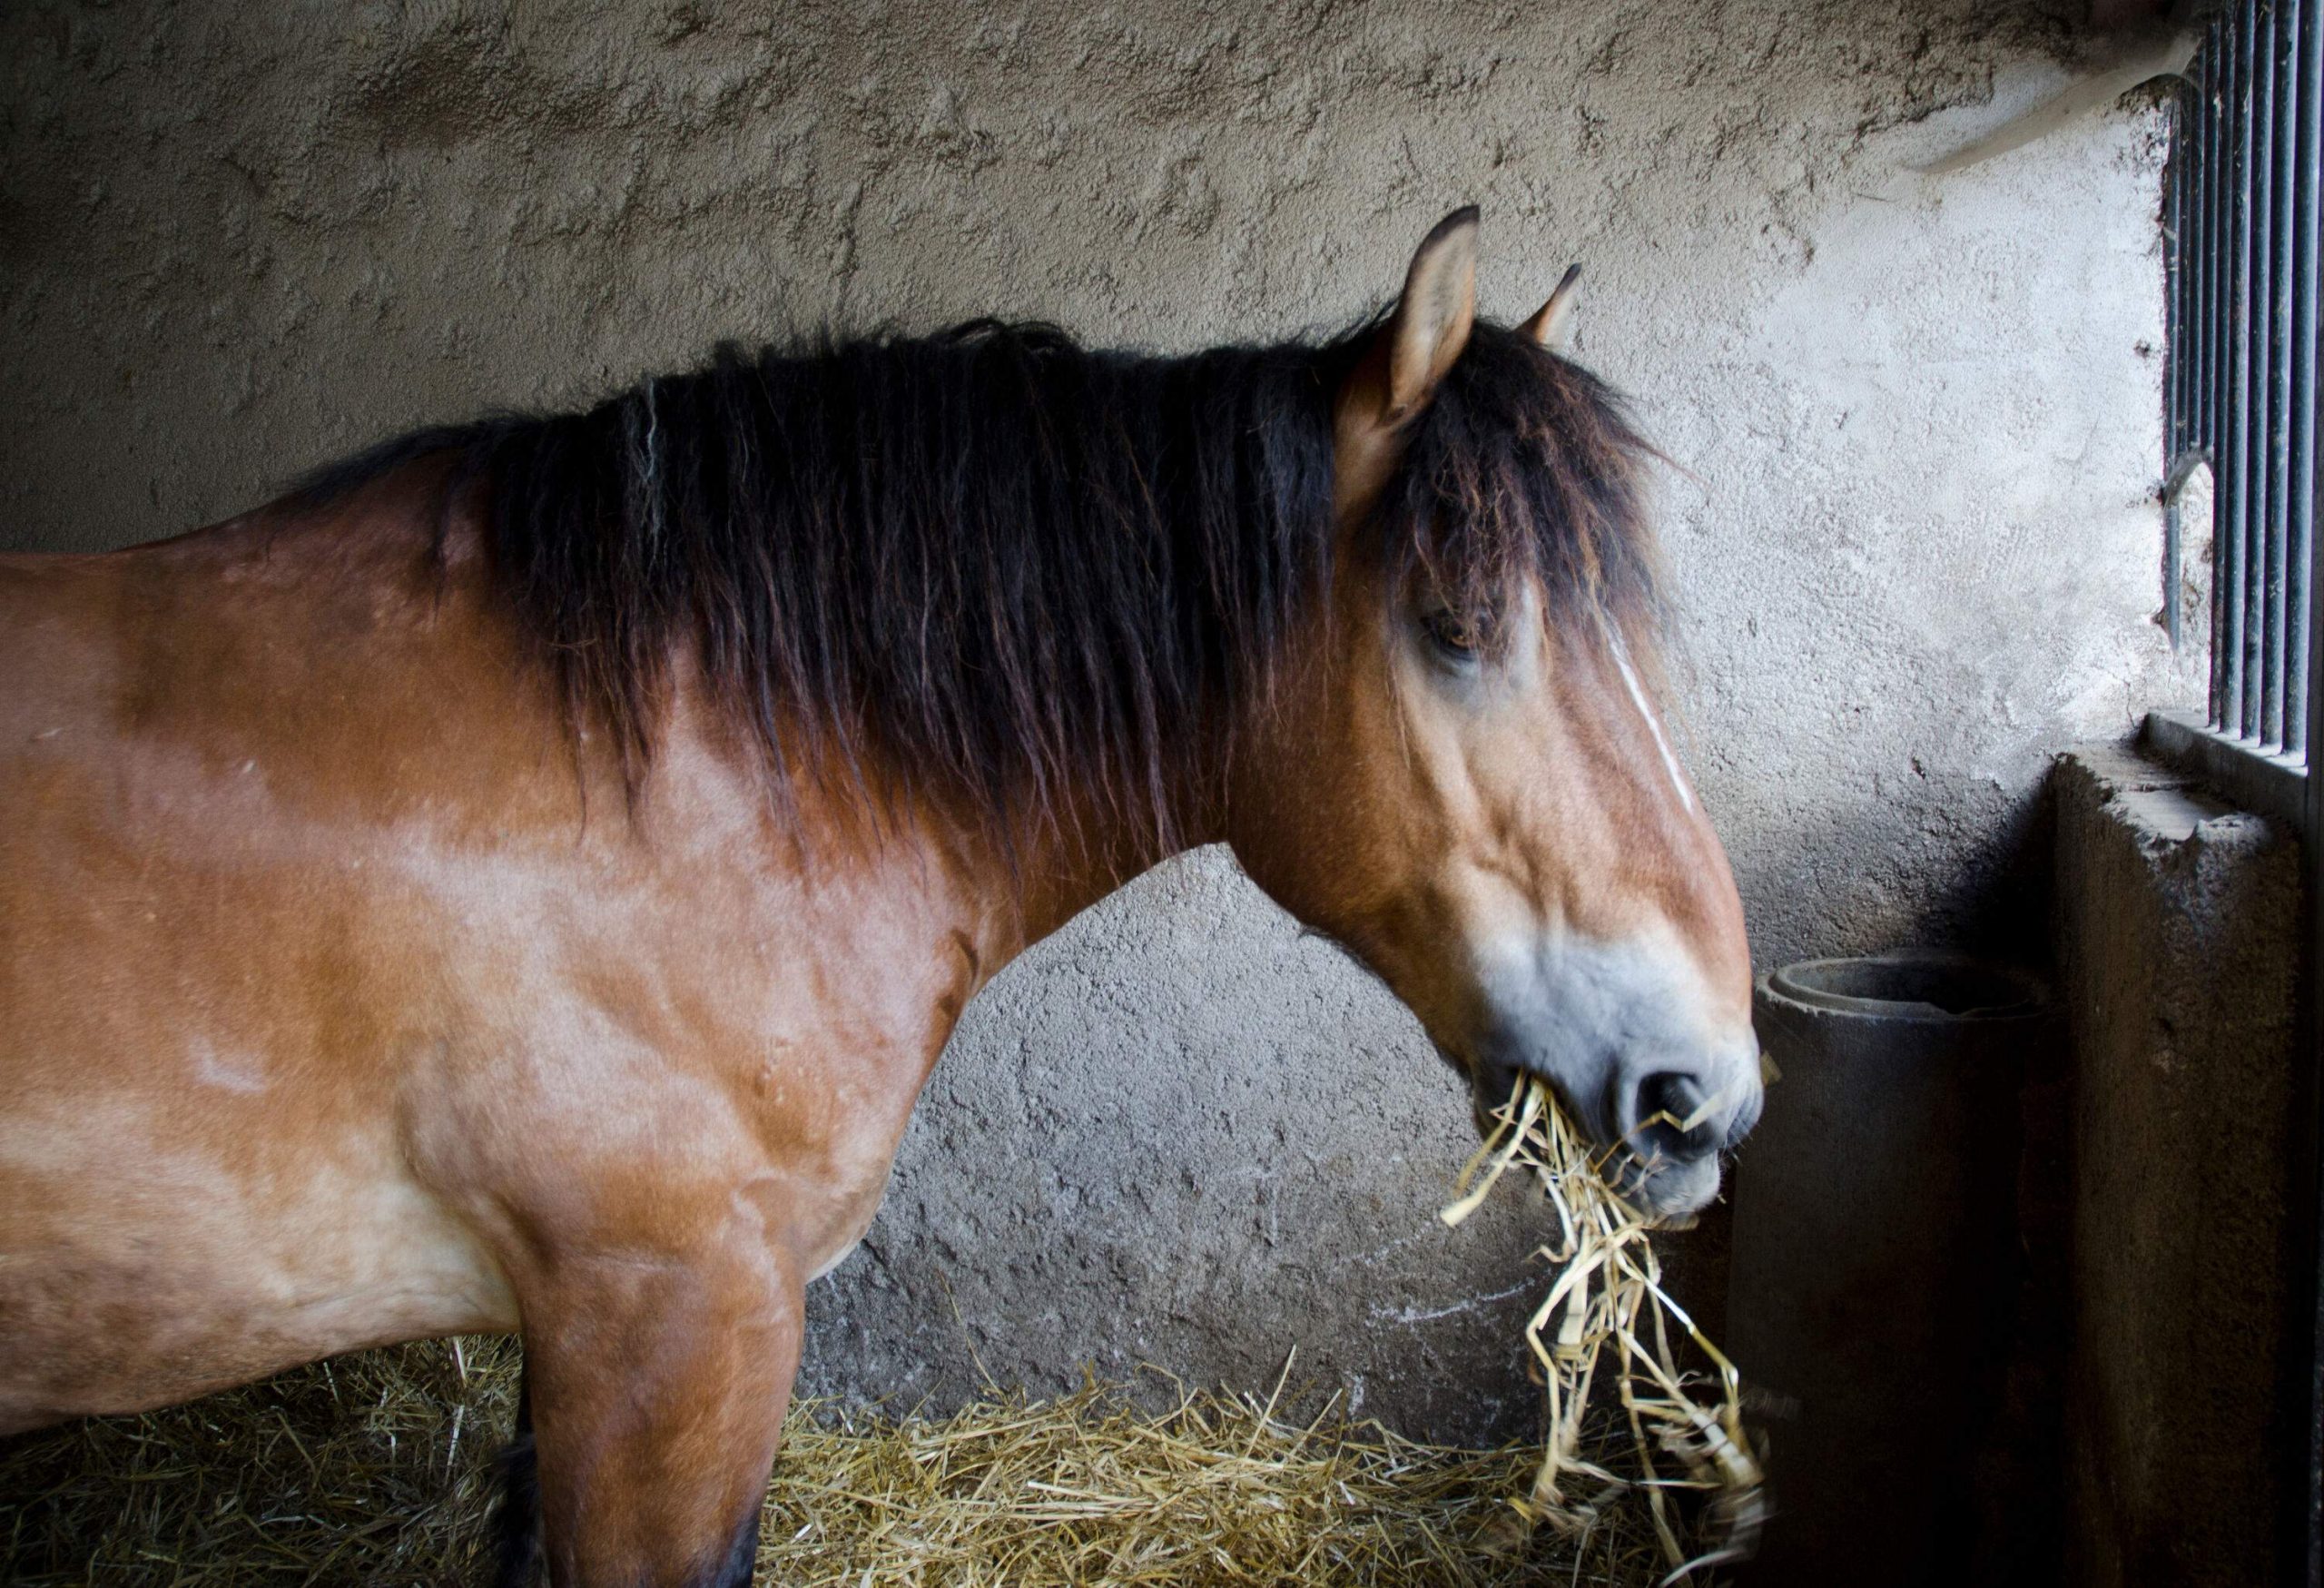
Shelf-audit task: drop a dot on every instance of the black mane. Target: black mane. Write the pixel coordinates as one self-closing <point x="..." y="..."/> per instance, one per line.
<point x="1001" y="566"/>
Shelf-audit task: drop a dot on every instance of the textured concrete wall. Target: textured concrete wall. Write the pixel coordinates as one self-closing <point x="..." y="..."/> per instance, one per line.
<point x="1911" y="533"/>
<point x="2177" y="924"/>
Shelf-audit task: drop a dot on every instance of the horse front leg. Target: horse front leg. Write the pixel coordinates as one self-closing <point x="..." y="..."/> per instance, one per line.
<point x="656" y="1385"/>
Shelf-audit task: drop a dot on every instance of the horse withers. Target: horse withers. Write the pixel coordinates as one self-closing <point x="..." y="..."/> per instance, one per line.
<point x="521" y="880"/>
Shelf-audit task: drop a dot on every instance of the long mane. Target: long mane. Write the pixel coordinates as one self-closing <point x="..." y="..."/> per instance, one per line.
<point x="999" y="565"/>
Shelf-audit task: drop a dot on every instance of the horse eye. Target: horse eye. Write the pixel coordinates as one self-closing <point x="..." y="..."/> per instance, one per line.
<point x="1452" y="633"/>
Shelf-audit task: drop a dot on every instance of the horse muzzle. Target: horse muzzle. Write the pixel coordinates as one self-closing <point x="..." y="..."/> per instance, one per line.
<point x="1665" y="1122"/>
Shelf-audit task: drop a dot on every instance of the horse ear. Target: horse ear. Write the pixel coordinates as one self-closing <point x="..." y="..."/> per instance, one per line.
<point x="1435" y="316"/>
<point x="1552" y="322"/>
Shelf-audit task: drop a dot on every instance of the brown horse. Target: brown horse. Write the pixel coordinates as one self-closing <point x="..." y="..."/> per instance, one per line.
<point x="521" y="881"/>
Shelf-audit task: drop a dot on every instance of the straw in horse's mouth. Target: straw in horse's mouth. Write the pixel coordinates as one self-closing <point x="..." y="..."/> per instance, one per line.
<point x="1609" y="1292"/>
<point x="1631" y="1162"/>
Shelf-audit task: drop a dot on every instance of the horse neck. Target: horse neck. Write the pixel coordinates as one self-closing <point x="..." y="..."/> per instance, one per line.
<point x="1055" y="868"/>
<point x="1008" y="881"/>
<point x="1260" y="742"/>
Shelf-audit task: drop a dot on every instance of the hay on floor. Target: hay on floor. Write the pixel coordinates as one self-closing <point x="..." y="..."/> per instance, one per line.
<point x="378" y="1469"/>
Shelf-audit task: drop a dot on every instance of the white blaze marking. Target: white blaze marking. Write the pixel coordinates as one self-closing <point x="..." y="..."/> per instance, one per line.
<point x="1638" y="699"/>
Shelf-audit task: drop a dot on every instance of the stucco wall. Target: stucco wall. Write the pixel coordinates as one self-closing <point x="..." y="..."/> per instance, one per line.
<point x="1910" y="532"/>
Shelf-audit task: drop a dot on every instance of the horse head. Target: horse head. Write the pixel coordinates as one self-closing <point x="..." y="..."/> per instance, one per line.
<point x="1464" y="777"/>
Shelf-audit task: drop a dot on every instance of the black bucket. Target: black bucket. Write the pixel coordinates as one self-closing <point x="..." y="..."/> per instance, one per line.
<point x="1874" y="1260"/>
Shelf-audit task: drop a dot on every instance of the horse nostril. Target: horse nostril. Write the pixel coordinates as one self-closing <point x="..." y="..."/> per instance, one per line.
<point x="1671" y="1121"/>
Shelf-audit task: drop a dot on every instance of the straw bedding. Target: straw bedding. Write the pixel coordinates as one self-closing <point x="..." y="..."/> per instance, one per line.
<point x="378" y="1468"/>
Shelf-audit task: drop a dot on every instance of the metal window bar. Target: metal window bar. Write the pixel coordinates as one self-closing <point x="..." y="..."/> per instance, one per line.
<point x="2243" y="249"/>
<point x="2241" y="211"/>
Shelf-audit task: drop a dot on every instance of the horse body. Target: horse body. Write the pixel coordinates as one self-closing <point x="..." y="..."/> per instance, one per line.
<point x="312" y="944"/>
<point x="363" y="982"/>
